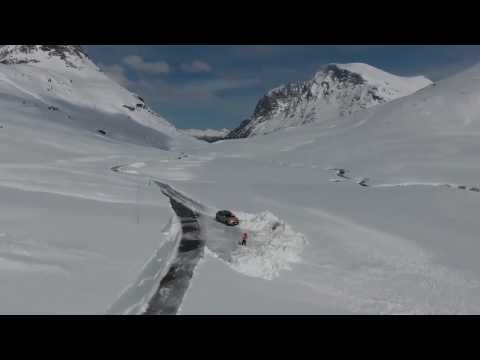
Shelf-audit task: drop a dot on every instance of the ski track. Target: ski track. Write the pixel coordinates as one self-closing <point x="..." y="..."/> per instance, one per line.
<point x="21" y="89"/>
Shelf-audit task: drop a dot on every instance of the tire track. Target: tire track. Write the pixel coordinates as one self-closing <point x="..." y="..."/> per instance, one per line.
<point x="365" y="182"/>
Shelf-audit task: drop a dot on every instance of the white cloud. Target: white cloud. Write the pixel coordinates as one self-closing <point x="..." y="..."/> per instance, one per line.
<point x="220" y="84"/>
<point x="196" y="66"/>
<point x="155" y="67"/>
<point x="116" y="73"/>
<point x="261" y="51"/>
<point x="197" y="91"/>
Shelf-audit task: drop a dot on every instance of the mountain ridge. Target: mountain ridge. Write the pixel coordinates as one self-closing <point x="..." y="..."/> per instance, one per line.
<point x="335" y="90"/>
<point x="62" y="78"/>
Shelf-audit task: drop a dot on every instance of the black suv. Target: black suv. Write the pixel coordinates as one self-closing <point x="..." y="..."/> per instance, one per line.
<point x="226" y="217"/>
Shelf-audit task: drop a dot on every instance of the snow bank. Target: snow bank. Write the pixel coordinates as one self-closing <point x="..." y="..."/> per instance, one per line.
<point x="135" y="298"/>
<point x="272" y="246"/>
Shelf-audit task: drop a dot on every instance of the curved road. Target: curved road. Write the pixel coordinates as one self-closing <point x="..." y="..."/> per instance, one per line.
<point x="195" y="219"/>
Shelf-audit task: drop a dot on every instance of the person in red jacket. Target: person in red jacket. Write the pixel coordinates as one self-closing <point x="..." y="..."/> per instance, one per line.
<point x="244" y="239"/>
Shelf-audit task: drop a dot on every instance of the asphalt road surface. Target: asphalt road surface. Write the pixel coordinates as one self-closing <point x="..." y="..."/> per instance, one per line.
<point x="174" y="285"/>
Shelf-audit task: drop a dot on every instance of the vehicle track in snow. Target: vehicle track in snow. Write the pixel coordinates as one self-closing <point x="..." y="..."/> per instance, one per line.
<point x="272" y="247"/>
<point x="173" y="286"/>
<point x="365" y="182"/>
<point x="171" y="291"/>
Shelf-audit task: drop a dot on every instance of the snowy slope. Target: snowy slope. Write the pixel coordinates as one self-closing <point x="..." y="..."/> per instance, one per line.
<point x="335" y="90"/>
<point x="404" y="242"/>
<point x="69" y="236"/>
<point x="73" y="234"/>
<point x="64" y="80"/>
<point x="376" y="215"/>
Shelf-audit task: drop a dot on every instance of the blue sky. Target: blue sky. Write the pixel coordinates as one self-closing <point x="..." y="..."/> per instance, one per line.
<point x="216" y="86"/>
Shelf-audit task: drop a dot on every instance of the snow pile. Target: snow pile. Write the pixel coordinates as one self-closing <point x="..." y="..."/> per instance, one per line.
<point x="272" y="246"/>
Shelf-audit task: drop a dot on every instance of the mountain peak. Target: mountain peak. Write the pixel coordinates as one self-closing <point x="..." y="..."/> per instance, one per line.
<point x="73" y="56"/>
<point x="340" y="73"/>
<point x="335" y="90"/>
<point x="365" y="73"/>
<point x="65" y="82"/>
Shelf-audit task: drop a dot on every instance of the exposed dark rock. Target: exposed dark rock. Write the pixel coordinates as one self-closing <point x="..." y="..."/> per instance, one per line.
<point x="299" y="103"/>
<point x="287" y="98"/>
<point x="342" y="75"/>
<point x="363" y="183"/>
<point x="210" y="139"/>
<point x="131" y="108"/>
<point x="61" y="51"/>
<point x="242" y="131"/>
<point x="341" y="173"/>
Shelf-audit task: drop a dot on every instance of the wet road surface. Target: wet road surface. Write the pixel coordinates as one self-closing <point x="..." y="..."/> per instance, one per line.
<point x="174" y="285"/>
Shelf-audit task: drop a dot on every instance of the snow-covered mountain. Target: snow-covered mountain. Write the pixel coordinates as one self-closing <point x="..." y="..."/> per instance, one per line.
<point x="72" y="55"/>
<point x="377" y="214"/>
<point x="388" y="200"/>
<point x="335" y="90"/>
<point x="208" y="135"/>
<point x="62" y="79"/>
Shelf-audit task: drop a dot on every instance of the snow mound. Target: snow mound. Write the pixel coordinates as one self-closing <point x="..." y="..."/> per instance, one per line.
<point x="272" y="246"/>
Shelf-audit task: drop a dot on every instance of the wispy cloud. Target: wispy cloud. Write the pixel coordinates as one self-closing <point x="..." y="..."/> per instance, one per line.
<point x="170" y="90"/>
<point x="196" y="66"/>
<point x="259" y="51"/>
<point x="116" y="73"/>
<point x="221" y="84"/>
<point x="356" y="49"/>
<point x="155" y="67"/>
<point x="204" y="91"/>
